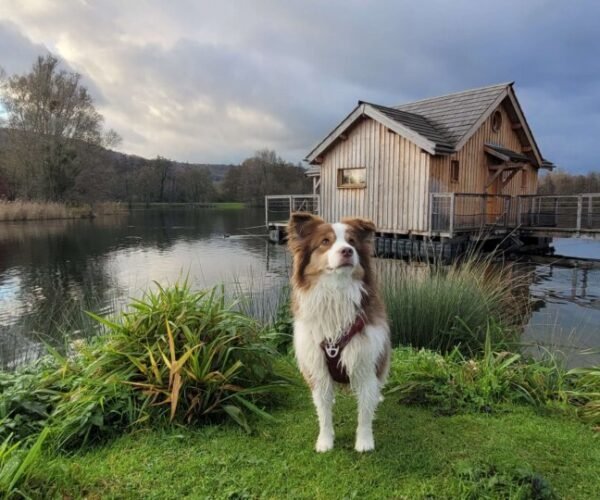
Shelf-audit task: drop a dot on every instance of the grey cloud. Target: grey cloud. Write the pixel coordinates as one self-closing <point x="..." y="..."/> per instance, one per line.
<point x="17" y="51"/>
<point x="208" y="81"/>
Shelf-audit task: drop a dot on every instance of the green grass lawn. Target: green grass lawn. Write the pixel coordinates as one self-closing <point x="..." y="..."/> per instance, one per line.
<point x="418" y="455"/>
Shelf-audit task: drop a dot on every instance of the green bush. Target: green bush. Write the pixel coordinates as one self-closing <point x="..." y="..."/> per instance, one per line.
<point x="441" y="307"/>
<point x="174" y="356"/>
<point x="190" y="355"/>
<point x="454" y="382"/>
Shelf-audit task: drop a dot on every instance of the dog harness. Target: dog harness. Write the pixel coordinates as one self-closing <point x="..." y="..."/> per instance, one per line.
<point x="333" y="351"/>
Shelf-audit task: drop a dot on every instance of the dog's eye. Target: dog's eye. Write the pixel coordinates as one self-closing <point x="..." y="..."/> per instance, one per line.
<point x="352" y="241"/>
<point x="325" y="241"/>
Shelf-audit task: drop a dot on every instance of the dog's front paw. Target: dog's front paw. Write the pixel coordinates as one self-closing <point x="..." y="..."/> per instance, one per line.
<point x="324" y="443"/>
<point x="364" y="442"/>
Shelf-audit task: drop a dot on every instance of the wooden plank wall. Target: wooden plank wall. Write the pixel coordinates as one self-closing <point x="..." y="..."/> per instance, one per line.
<point x="474" y="162"/>
<point x="396" y="195"/>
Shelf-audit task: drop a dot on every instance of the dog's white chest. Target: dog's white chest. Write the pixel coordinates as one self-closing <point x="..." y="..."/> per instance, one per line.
<point x="330" y="307"/>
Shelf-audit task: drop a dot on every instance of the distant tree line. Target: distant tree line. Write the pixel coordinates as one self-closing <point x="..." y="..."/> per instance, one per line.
<point x="53" y="147"/>
<point x="559" y="182"/>
<point x="263" y="174"/>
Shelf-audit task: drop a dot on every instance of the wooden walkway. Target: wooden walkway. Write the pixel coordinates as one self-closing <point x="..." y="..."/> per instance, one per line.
<point x="467" y="215"/>
<point x="562" y="216"/>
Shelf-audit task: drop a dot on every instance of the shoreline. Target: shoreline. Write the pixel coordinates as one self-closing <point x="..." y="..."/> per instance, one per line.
<point x="35" y="211"/>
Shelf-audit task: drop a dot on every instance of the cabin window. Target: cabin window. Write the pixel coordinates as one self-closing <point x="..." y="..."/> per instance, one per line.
<point x="454" y="170"/>
<point x="523" y="179"/>
<point x="352" y="177"/>
<point x="496" y="121"/>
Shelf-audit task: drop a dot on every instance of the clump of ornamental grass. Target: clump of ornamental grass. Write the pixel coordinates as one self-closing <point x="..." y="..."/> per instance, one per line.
<point x="176" y="356"/>
<point x="442" y="307"/>
<point x="454" y="382"/>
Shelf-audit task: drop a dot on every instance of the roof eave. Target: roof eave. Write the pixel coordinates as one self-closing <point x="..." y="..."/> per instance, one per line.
<point x="548" y="165"/>
<point x="535" y="149"/>
<point x="441" y="149"/>
<point x="316" y="151"/>
<point x="424" y="143"/>
<point x="365" y="109"/>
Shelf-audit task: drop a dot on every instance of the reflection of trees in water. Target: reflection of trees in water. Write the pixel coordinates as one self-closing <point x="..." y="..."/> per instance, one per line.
<point x="61" y="274"/>
<point x="62" y="267"/>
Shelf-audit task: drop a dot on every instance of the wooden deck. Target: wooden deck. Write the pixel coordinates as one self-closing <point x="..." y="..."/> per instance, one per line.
<point x="459" y="216"/>
<point x="564" y="216"/>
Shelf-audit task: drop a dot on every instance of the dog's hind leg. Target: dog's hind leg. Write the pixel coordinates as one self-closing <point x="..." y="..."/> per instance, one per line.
<point x="323" y="397"/>
<point x="367" y="393"/>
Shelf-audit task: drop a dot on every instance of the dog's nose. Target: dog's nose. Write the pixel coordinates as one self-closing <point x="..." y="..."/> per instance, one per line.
<point x="347" y="252"/>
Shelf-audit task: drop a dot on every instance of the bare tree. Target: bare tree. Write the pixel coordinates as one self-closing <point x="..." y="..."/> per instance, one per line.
<point x="53" y="127"/>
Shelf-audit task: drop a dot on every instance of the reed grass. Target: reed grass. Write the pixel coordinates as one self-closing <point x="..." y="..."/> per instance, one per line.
<point x="443" y="307"/>
<point x="23" y="210"/>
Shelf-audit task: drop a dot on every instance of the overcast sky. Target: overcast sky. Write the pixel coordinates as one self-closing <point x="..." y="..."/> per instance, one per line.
<point x="214" y="81"/>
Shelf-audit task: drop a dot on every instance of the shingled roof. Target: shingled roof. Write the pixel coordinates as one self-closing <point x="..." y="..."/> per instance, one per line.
<point x="439" y="125"/>
<point x="454" y="115"/>
<point x="419" y="124"/>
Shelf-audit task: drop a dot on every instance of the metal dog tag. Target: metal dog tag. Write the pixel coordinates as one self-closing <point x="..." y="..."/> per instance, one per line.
<point x="332" y="350"/>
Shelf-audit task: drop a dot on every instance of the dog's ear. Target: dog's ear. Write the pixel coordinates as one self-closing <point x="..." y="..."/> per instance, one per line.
<point x="301" y="224"/>
<point x="364" y="227"/>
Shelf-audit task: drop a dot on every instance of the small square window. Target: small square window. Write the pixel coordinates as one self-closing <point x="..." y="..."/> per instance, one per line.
<point x="352" y="177"/>
<point x="454" y="170"/>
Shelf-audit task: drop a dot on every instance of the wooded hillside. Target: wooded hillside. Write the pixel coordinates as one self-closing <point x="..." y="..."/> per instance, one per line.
<point x="53" y="147"/>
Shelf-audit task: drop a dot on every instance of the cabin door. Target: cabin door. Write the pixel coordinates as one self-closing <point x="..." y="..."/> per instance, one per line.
<point x="494" y="203"/>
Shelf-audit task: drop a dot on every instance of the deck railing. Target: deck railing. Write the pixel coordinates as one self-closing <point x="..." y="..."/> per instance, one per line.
<point x="453" y="213"/>
<point x="279" y="207"/>
<point x="568" y="213"/>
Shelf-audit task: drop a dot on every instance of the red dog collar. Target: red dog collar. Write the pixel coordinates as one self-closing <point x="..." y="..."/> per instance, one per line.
<point x="333" y="351"/>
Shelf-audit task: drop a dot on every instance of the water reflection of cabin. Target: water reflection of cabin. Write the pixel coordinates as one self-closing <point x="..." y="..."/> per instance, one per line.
<point x="442" y="167"/>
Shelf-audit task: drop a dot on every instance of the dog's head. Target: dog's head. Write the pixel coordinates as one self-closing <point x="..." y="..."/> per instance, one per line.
<point x="320" y="248"/>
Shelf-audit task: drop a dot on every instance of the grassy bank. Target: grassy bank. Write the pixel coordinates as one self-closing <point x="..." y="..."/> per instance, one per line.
<point x="516" y="453"/>
<point x="186" y="394"/>
<point x="15" y="211"/>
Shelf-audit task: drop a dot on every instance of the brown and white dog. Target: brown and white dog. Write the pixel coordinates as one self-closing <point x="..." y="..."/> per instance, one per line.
<point x="341" y="332"/>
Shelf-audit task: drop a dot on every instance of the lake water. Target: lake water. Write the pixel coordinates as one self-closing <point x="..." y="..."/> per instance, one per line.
<point x="51" y="271"/>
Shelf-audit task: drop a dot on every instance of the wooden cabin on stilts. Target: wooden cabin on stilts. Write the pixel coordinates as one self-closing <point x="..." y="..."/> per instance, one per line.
<point x="437" y="173"/>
